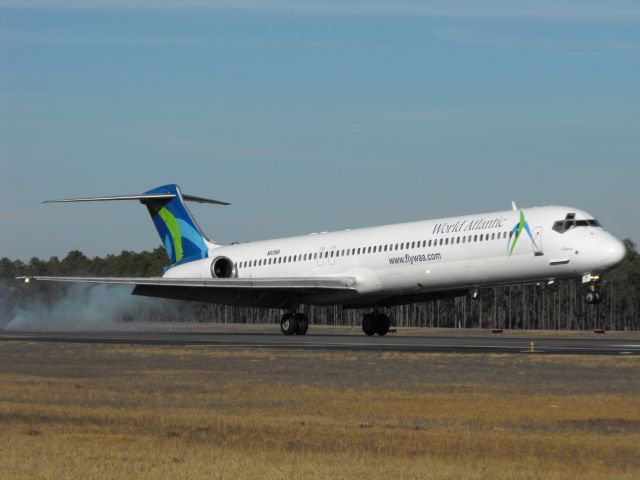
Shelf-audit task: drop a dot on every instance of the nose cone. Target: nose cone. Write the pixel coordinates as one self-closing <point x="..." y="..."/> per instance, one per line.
<point x="612" y="252"/>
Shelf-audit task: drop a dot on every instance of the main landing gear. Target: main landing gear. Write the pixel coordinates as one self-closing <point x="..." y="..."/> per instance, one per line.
<point x="373" y="323"/>
<point x="294" y="324"/>
<point x="298" y="324"/>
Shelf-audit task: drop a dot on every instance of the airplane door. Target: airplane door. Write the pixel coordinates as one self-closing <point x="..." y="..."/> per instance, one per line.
<point x="321" y="256"/>
<point x="537" y="240"/>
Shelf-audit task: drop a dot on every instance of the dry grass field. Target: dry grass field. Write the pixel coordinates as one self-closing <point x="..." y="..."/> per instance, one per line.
<point x="95" y="411"/>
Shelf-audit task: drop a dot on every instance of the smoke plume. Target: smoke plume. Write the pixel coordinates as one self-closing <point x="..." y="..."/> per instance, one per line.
<point x="79" y="307"/>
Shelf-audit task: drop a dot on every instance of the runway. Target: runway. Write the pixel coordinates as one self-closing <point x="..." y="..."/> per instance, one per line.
<point x="556" y="344"/>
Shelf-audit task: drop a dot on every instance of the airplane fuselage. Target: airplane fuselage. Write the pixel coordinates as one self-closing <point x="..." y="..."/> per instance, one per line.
<point x="401" y="262"/>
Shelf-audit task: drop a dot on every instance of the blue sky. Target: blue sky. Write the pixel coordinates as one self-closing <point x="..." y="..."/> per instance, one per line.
<point x="311" y="116"/>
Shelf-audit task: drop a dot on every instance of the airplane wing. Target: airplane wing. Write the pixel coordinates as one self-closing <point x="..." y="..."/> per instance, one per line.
<point x="262" y="292"/>
<point x="334" y="283"/>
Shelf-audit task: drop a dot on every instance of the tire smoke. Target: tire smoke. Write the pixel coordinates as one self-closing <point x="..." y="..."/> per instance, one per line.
<point x="80" y="307"/>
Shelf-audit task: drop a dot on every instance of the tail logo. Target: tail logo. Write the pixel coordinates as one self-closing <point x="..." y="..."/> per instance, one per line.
<point x="515" y="234"/>
<point x="173" y="247"/>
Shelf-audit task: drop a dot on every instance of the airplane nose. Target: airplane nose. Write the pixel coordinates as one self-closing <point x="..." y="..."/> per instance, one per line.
<point x="613" y="252"/>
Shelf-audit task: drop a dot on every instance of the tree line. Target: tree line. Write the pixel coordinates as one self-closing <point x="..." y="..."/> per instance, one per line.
<point x="559" y="306"/>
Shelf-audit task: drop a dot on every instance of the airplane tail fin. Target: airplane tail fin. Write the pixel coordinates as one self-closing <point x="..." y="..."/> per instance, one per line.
<point x="181" y="236"/>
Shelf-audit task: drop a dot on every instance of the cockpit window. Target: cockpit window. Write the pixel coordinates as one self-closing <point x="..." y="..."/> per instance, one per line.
<point x="570" y="222"/>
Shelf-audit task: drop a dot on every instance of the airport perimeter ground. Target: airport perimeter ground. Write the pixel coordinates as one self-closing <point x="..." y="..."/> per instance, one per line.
<point x="78" y="410"/>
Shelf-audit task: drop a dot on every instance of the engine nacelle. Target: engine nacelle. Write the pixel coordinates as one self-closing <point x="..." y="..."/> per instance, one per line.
<point x="222" y="267"/>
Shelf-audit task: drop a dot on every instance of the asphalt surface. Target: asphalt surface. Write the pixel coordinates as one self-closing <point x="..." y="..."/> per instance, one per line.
<point x="596" y="345"/>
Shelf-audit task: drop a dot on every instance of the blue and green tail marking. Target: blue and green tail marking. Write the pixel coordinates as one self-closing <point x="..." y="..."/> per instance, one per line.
<point x="182" y="238"/>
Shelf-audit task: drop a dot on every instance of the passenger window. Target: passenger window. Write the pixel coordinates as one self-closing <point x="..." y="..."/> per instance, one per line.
<point x="402" y="246"/>
<point x="369" y="250"/>
<point x="374" y="249"/>
<point x="413" y="244"/>
<point x="463" y="239"/>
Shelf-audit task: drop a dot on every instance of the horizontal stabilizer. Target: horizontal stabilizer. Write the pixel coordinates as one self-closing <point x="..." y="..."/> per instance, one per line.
<point x="142" y="198"/>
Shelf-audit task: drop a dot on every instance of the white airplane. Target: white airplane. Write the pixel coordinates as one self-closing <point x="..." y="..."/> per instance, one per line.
<point x="372" y="267"/>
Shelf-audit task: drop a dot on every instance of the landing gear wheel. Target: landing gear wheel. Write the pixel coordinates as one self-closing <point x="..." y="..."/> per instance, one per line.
<point x="369" y="324"/>
<point x="288" y="324"/>
<point x="302" y="323"/>
<point x="593" y="298"/>
<point x="382" y="324"/>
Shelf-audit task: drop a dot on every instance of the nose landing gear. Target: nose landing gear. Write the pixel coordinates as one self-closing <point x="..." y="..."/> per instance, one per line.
<point x="593" y="296"/>
<point x="592" y="282"/>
